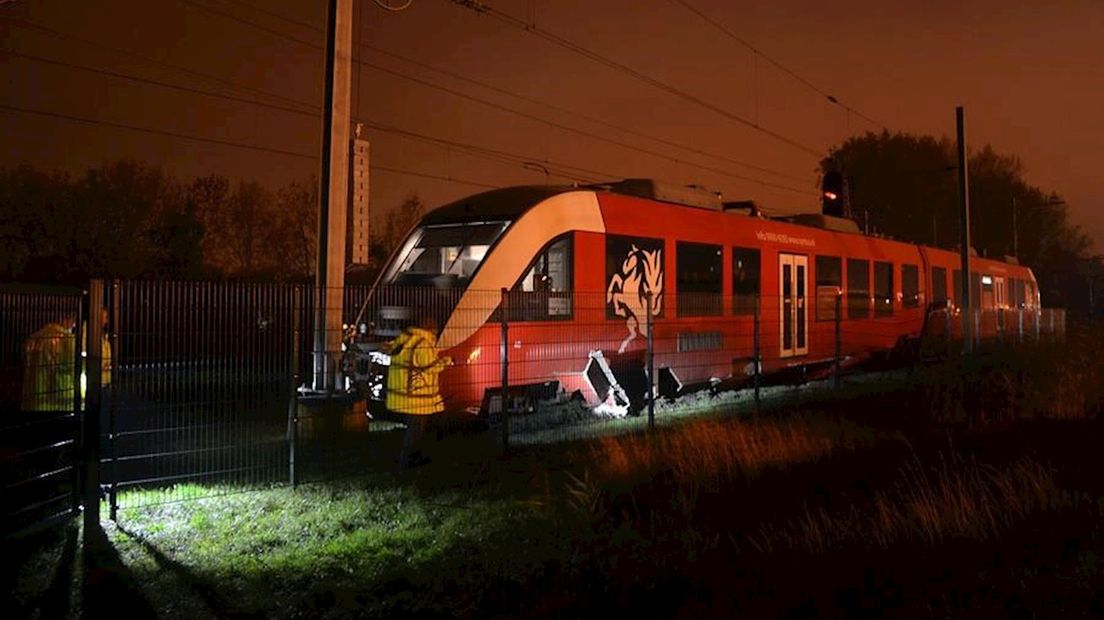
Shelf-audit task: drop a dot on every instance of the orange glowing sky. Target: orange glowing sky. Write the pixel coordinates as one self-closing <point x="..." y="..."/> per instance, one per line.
<point x="1030" y="75"/>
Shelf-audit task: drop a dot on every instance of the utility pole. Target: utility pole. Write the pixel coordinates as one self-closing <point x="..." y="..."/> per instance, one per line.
<point x="333" y="196"/>
<point x="964" y="229"/>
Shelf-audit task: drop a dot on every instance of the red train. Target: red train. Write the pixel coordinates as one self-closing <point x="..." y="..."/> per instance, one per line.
<point x="582" y="267"/>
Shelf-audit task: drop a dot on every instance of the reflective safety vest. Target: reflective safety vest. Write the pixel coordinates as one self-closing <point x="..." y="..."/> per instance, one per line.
<point x="49" y="355"/>
<point x="412" y="385"/>
<point x="48" y="358"/>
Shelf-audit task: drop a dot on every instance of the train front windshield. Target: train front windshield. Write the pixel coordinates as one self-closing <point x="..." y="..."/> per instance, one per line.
<point x="444" y="255"/>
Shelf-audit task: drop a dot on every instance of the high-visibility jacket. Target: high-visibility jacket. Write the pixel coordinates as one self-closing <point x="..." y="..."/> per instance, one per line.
<point x="412" y="385"/>
<point x="48" y="358"/>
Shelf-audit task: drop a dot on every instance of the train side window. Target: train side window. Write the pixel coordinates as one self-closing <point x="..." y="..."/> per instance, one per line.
<point x="1020" y="297"/>
<point x="975" y="290"/>
<point x="544" y="292"/>
<point x="939" y="285"/>
<point x="745" y="280"/>
<point x="910" y="286"/>
<point x="883" y="288"/>
<point x="698" y="273"/>
<point x="858" y="288"/>
<point x="829" y="283"/>
<point x="1031" y="301"/>
<point x="958" y="288"/>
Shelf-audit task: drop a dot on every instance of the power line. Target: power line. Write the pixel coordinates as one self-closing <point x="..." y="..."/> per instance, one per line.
<point x="494" y="154"/>
<point x="586" y="117"/>
<point x="437" y="177"/>
<point x="152" y="82"/>
<point x="241" y="20"/>
<point x="507" y="109"/>
<point x="241" y="145"/>
<point x="160" y="63"/>
<point x="581" y="132"/>
<point x="732" y="35"/>
<point x="160" y="132"/>
<point x="642" y="77"/>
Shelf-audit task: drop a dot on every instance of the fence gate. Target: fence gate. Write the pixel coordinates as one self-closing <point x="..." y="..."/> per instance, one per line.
<point x="201" y="376"/>
<point x="40" y="392"/>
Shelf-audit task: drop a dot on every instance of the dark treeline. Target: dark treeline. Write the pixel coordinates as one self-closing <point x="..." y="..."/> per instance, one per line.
<point x="129" y="220"/>
<point x="906" y="187"/>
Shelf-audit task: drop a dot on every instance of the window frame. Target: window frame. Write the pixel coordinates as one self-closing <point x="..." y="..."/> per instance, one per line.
<point x="830" y="313"/>
<point x="855" y="310"/>
<point x="741" y="304"/>
<point x="910" y="300"/>
<point x="683" y="305"/>
<point x="517" y="312"/>
<point x="887" y="308"/>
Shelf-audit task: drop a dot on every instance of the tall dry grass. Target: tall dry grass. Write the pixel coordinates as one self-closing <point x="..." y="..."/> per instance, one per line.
<point x="1014" y="381"/>
<point x="723" y="449"/>
<point x="959" y="499"/>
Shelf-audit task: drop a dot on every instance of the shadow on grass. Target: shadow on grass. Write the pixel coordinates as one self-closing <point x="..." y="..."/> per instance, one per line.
<point x="208" y="592"/>
<point x="52" y="552"/>
<point x="108" y="584"/>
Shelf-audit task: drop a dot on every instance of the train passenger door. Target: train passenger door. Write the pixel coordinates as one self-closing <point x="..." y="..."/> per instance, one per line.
<point x="793" y="270"/>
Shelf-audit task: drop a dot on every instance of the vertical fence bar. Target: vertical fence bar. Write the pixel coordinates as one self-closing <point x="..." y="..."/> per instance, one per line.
<point x="839" y="340"/>
<point x="112" y="328"/>
<point x="756" y="357"/>
<point x="78" y="402"/>
<point x="1019" y="329"/>
<point x="92" y="373"/>
<point x="505" y="356"/>
<point x="651" y="365"/>
<point x="293" y="392"/>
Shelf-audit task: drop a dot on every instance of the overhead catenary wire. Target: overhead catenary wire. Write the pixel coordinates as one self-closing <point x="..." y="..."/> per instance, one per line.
<point x="520" y="24"/>
<point x="784" y="69"/>
<point x="229" y="143"/>
<point x="144" y="59"/>
<point x="154" y="82"/>
<point x="554" y="107"/>
<point x="581" y="132"/>
<point x="160" y="132"/>
<point x="545" y="121"/>
<point x="586" y="117"/>
<point x="484" y="151"/>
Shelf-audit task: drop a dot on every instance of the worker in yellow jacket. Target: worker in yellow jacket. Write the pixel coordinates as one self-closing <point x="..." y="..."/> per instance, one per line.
<point x="48" y="371"/>
<point x="413" y="389"/>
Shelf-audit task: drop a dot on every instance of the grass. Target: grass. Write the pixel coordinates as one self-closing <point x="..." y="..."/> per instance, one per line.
<point x="881" y="500"/>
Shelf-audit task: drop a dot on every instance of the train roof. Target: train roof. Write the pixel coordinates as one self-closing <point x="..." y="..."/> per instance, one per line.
<point x="498" y="204"/>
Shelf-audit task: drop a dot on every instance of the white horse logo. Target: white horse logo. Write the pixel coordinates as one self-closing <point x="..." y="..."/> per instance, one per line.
<point x="641" y="273"/>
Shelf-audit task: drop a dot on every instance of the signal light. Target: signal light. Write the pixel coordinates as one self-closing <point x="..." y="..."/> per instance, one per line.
<point x="832" y="194"/>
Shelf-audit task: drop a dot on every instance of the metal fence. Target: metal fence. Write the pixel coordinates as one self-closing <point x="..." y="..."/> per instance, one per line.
<point x="40" y="379"/>
<point x="201" y="380"/>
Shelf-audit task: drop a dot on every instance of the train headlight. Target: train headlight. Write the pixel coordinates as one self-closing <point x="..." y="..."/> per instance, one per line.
<point x="474" y="355"/>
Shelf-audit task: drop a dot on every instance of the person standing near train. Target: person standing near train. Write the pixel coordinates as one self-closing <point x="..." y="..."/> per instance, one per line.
<point x="413" y="389"/>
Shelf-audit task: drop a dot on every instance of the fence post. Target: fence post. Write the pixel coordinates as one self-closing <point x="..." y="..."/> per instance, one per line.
<point x="949" y="325"/>
<point x="651" y="364"/>
<point x="756" y="358"/>
<point x="93" y="367"/>
<point x="1019" y="322"/>
<point x="839" y="339"/>
<point x="78" y="402"/>
<point x="113" y="329"/>
<point x="293" y="393"/>
<point x="505" y="356"/>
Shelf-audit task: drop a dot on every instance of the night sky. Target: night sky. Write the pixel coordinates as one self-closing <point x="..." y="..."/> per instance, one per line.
<point x="1030" y="75"/>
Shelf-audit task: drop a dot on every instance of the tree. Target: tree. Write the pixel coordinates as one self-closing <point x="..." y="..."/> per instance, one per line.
<point x="295" y="234"/>
<point x="396" y="227"/>
<point x="907" y="185"/>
